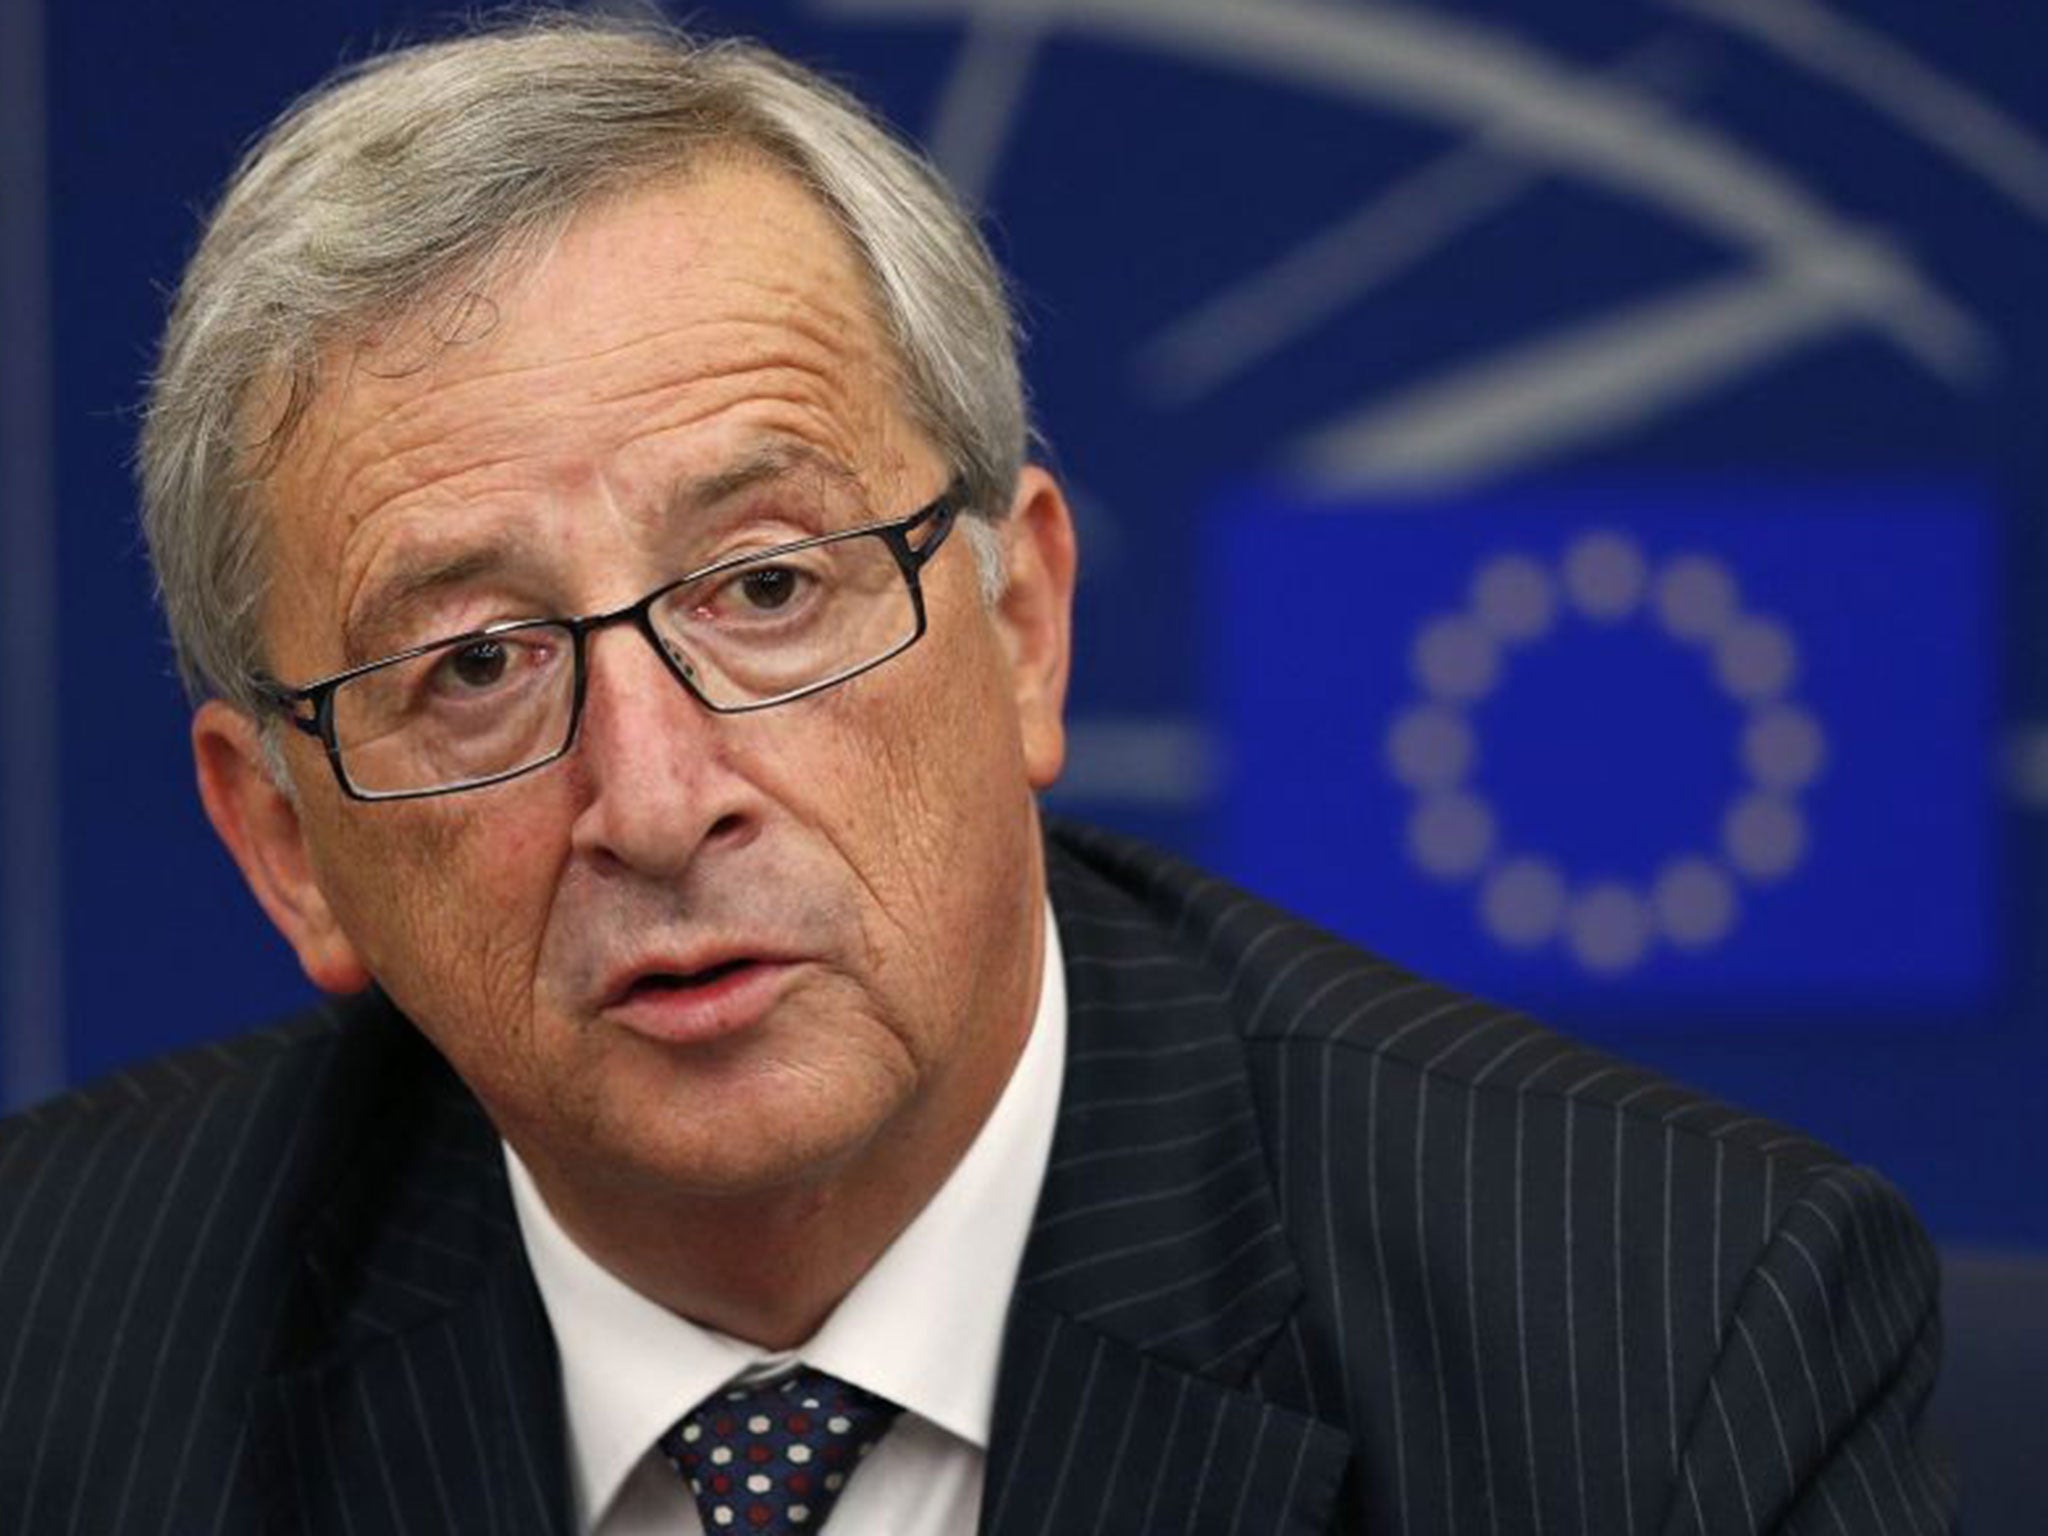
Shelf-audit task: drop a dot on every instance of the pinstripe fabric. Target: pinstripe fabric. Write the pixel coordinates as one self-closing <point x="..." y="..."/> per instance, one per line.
<point x="1321" y="1248"/>
<point x="1479" y="1278"/>
<point x="271" y="1286"/>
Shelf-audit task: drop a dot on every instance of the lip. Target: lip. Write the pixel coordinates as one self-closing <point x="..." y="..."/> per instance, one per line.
<point x="735" y="992"/>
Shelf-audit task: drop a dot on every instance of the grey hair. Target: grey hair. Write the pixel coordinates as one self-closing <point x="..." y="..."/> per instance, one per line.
<point x="439" y="165"/>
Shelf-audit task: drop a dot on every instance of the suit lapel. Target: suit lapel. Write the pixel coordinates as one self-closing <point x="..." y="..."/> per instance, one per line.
<point x="417" y="1388"/>
<point x="1157" y="1272"/>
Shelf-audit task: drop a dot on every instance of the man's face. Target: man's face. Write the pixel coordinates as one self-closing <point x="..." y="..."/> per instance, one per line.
<point x="717" y="953"/>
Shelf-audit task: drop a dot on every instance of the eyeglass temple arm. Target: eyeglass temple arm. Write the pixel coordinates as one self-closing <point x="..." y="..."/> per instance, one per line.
<point x="938" y="518"/>
<point x="301" y="708"/>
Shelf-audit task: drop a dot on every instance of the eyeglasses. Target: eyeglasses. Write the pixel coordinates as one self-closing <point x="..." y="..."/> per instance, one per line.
<point x="748" y="632"/>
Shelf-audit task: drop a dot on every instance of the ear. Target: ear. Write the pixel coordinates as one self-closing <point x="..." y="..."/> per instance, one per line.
<point x="261" y="827"/>
<point x="1035" y="615"/>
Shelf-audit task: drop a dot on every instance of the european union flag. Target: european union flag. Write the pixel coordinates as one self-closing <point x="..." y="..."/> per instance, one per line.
<point x="1721" y="747"/>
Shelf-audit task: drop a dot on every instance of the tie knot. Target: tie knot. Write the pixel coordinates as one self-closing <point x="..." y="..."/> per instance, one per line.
<point x="773" y="1457"/>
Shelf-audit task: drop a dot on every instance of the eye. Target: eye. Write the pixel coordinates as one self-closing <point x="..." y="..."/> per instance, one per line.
<point x="490" y="666"/>
<point x="780" y="592"/>
<point x="479" y="664"/>
<point x="768" y="587"/>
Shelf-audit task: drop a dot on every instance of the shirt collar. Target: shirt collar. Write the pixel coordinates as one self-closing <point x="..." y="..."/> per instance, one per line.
<point x="923" y="1327"/>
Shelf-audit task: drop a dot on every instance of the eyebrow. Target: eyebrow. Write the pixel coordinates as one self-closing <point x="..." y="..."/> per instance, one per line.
<point x="380" y="613"/>
<point x="777" y="459"/>
<point x="383" y="609"/>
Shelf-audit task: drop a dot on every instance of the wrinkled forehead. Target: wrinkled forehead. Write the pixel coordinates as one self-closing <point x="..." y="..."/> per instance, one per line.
<point x="729" y="285"/>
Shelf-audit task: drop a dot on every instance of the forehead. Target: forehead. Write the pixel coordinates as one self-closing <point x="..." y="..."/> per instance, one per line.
<point x="661" y="335"/>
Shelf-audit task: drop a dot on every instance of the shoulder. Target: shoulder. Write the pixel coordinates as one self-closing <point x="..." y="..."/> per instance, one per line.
<point x="170" y="1185"/>
<point x="183" y="1232"/>
<point x="174" y="1086"/>
<point x="1506" y="1237"/>
<point x="239" y="1097"/>
<point x="146" y="1134"/>
<point x="1295" y="990"/>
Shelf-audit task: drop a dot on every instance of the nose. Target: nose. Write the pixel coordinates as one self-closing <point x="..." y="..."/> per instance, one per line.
<point x="657" y="779"/>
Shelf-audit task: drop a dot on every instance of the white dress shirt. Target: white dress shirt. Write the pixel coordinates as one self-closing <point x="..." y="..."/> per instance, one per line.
<point x="923" y="1327"/>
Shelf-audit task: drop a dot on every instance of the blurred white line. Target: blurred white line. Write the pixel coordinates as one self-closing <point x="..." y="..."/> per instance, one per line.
<point x="1491" y="82"/>
<point x="1164" y="763"/>
<point x="1962" y="123"/>
<point x="31" y="889"/>
<point x="1398" y="230"/>
<point x="1260" y="314"/>
<point x="1583" y="383"/>
<point x="2026" y="764"/>
<point x="979" y="104"/>
<point x="1472" y="78"/>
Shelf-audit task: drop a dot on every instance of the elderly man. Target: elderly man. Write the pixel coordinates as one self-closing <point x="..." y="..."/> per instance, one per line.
<point x="586" y="477"/>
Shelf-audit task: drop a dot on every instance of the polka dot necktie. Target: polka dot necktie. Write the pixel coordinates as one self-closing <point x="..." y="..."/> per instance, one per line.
<point x="774" y="1457"/>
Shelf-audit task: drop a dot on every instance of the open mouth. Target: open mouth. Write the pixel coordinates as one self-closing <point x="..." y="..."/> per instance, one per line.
<point x="664" y="983"/>
<point x="691" y="1006"/>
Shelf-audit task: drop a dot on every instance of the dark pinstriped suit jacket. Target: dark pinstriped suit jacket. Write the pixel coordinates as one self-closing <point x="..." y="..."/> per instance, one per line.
<point x="1322" y="1248"/>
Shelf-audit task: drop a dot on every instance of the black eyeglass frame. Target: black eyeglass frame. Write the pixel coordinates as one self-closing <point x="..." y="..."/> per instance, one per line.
<point x="310" y="706"/>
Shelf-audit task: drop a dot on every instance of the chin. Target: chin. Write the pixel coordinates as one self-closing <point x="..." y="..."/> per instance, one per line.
<point x="723" y="1143"/>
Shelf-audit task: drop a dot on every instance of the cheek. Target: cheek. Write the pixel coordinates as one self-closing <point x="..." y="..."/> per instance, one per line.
<point x="925" y="800"/>
<point x="447" y="902"/>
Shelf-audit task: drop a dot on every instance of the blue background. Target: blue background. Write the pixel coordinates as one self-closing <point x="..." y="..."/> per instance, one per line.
<point x="1878" y="479"/>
